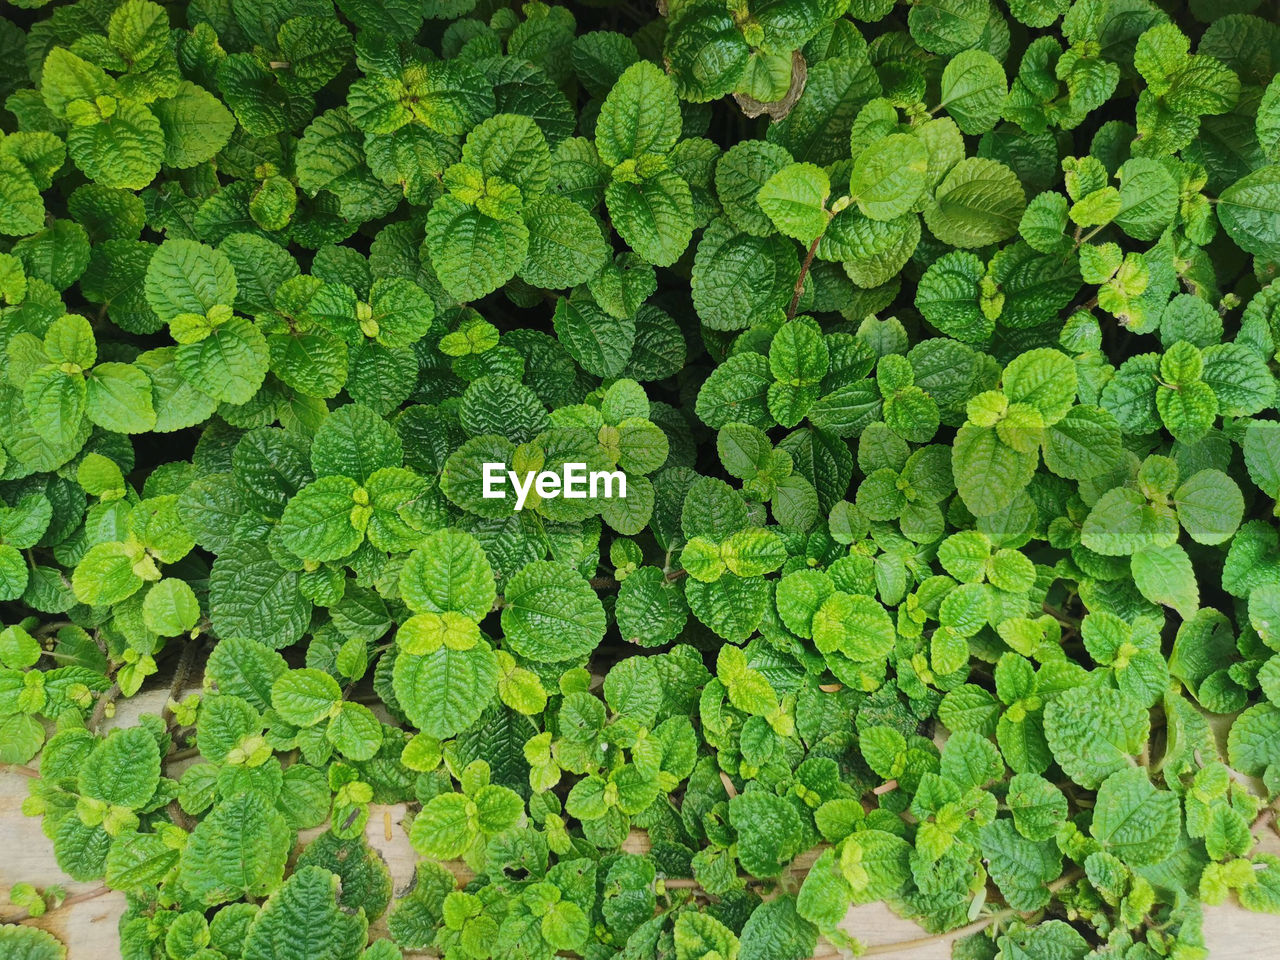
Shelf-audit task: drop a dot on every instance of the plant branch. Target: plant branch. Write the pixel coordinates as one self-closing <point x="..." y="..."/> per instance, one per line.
<point x="181" y="674"/>
<point x="100" y="708"/>
<point x="71" y="901"/>
<point x="804" y="272"/>
<point x="976" y="926"/>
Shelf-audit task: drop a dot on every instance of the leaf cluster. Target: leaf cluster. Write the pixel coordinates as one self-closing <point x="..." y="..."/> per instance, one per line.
<point x="937" y="344"/>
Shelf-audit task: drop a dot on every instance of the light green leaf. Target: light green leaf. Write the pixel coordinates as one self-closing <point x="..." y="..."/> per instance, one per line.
<point x="979" y="202"/>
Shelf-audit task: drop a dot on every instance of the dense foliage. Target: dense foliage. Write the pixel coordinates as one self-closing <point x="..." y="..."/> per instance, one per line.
<point x="936" y="344"/>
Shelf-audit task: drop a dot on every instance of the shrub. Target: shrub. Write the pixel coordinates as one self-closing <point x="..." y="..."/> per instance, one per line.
<point x="916" y="369"/>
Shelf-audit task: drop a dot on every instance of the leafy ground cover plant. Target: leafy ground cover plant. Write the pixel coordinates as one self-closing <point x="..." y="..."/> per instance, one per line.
<point x="935" y="343"/>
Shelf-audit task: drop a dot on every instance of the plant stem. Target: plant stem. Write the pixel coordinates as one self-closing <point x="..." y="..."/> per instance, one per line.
<point x="181" y="674"/>
<point x="68" y="902"/>
<point x="100" y="708"/>
<point x="804" y="272"/>
<point x="184" y="754"/>
<point x="980" y="924"/>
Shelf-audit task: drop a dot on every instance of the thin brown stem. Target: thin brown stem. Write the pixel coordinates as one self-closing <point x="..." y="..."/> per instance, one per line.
<point x="71" y="901"/>
<point x="804" y="272"/>
<point x="1063" y="618"/>
<point x="186" y="754"/>
<point x="181" y="674"/>
<point x="52" y="627"/>
<point x="100" y="708"/>
<point x="980" y="924"/>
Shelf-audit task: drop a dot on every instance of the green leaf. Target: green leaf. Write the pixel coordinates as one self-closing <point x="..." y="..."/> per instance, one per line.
<point x="302" y="919"/>
<point x="565" y="244"/>
<point x="1038" y="807"/>
<point x="354" y="441"/>
<point x="1250" y="209"/>
<point x="250" y="595"/>
<point x="450" y="96"/>
<point x="856" y="626"/>
<point x="305" y="696"/>
<point x="769" y="831"/>
<point x="195" y="124"/>
<point x="170" y="607"/>
<point x="550" y="613"/>
<point x="123" y="770"/>
<point x="973" y="90"/>
<point x="979" y="202"/>
<point x="1021" y="868"/>
<point x="1164" y="575"/>
<point x="473" y="254"/>
<point x="988" y="473"/>
<point x="355" y="732"/>
<point x="1123" y="521"/>
<point x="229" y="364"/>
<point x="21" y="208"/>
<point x="1045" y="379"/>
<point x="124" y="150"/>
<point x="699" y="935"/>
<point x="600" y="342"/>
<point x="1093" y="731"/>
<point x="1210" y="506"/>
<point x="1254" y="741"/>
<point x="30" y="943"/>
<point x="1262" y="455"/>
<point x="118" y="398"/>
<point x="888" y="177"/>
<point x="445" y="692"/>
<point x="188" y="277"/>
<point x="794" y="198"/>
<point x="139" y="861"/>
<point x="654" y="216"/>
<point x="319" y="523"/>
<point x="109" y="573"/>
<point x="238" y="849"/>
<point x="1134" y="820"/>
<point x="448" y="572"/>
<point x="640" y="116"/>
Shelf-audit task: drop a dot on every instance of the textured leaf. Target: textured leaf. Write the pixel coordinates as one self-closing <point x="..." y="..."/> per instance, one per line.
<point x="302" y="919"/>
<point x="238" y="849"/>
<point x="979" y="202"/>
<point x="444" y="692"/>
<point x="550" y="613"/>
<point x="1134" y="820"/>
